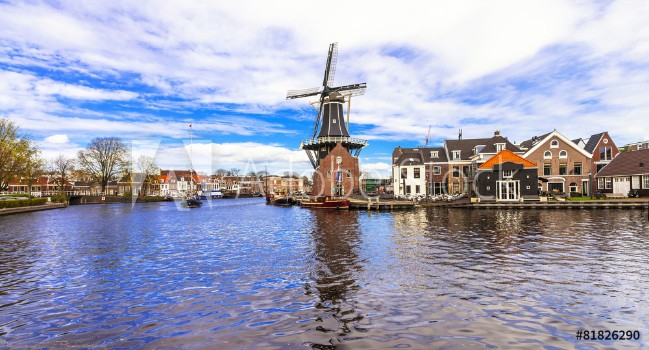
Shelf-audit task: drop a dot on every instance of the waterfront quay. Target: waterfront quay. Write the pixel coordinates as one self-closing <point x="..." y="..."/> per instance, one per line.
<point x="240" y="274"/>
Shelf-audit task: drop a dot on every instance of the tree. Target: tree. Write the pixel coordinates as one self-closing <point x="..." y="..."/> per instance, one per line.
<point x="15" y="152"/>
<point x="104" y="158"/>
<point x="235" y="171"/>
<point x="34" y="168"/>
<point x="220" y="172"/>
<point x="146" y="169"/>
<point x="63" y="166"/>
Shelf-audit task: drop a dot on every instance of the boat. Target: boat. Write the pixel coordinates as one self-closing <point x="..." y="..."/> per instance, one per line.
<point x="326" y="203"/>
<point x="192" y="202"/>
<point x="214" y="194"/>
<point x="282" y="200"/>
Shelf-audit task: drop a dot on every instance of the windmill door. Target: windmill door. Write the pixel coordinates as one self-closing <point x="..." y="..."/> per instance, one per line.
<point x="621" y="185"/>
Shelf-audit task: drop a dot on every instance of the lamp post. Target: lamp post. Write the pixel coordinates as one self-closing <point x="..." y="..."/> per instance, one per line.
<point x="590" y="183"/>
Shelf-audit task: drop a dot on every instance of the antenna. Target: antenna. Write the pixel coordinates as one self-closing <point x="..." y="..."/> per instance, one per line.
<point x="460" y="135"/>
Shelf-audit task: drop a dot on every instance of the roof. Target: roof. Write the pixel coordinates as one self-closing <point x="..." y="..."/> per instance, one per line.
<point x="490" y="146"/>
<point x="506" y="156"/>
<point x="539" y="142"/>
<point x="593" y="141"/>
<point x="410" y="158"/>
<point x="465" y="146"/>
<point x="441" y="155"/>
<point x="527" y="144"/>
<point x="422" y="154"/>
<point x="627" y="163"/>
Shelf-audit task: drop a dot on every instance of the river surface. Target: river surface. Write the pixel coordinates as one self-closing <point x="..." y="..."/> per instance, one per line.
<point x="238" y="274"/>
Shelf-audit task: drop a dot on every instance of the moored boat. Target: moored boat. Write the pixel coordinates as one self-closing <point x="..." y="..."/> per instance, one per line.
<point x="326" y="203"/>
<point x="279" y="200"/>
<point x="192" y="202"/>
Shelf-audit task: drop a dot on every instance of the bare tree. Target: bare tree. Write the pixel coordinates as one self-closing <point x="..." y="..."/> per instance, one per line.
<point x="235" y="171"/>
<point x="146" y="169"/>
<point x="34" y="168"/>
<point x="104" y="158"/>
<point x="221" y="172"/>
<point x="62" y="166"/>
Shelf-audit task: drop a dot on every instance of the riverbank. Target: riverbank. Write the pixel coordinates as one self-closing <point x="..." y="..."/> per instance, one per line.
<point x="8" y="211"/>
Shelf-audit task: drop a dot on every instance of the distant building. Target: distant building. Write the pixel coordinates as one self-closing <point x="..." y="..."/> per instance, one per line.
<point x="507" y="177"/>
<point x="636" y="146"/>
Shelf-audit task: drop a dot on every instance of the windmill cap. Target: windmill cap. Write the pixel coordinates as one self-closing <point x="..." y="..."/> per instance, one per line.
<point x="336" y="96"/>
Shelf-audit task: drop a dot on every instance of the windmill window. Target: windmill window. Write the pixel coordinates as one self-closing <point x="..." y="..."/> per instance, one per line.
<point x="328" y="174"/>
<point x="333" y="121"/>
<point x="349" y="174"/>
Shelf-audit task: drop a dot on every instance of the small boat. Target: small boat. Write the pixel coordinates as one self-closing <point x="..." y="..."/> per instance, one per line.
<point x="279" y="200"/>
<point x="326" y="203"/>
<point x="192" y="202"/>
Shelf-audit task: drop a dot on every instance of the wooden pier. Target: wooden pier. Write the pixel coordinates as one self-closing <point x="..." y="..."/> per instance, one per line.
<point x="622" y="204"/>
<point x="380" y="204"/>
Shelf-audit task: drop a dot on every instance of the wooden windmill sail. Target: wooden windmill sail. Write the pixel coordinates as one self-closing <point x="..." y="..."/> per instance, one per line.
<point x="329" y="127"/>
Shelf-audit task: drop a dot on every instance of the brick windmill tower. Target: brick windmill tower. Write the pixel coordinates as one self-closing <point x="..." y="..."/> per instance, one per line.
<point x="332" y="152"/>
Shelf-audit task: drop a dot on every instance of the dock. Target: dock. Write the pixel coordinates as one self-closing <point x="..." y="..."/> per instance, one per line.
<point x="380" y="204"/>
<point x="609" y="204"/>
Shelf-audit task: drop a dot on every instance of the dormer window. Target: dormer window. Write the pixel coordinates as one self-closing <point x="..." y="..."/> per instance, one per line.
<point x="456" y="155"/>
<point x="500" y="147"/>
<point x="554" y="144"/>
<point x="434" y="154"/>
<point x="507" y="174"/>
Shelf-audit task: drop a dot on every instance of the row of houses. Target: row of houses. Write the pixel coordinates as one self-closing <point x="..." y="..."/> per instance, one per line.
<point x="495" y="168"/>
<point x="165" y="183"/>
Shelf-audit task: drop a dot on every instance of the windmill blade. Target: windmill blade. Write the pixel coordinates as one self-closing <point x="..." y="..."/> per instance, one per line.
<point x="332" y="67"/>
<point x="293" y="94"/>
<point x="317" y="118"/>
<point x="332" y="47"/>
<point x="351" y="90"/>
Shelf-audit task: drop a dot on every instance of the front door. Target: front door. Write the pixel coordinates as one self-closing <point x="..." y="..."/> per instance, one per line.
<point x="509" y="190"/>
<point x="584" y="188"/>
<point x="621" y="185"/>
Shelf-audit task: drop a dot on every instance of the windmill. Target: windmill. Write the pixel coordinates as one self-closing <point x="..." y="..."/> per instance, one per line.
<point x="330" y="120"/>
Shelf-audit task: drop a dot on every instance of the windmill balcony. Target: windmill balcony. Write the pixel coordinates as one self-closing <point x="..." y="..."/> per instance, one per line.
<point x="333" y="139"/>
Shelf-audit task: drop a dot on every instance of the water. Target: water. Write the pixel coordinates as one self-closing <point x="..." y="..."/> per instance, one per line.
<point x="243" y="275"/>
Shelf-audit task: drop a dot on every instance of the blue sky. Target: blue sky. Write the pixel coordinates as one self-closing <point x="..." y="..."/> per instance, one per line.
<point x="145" y="70"/>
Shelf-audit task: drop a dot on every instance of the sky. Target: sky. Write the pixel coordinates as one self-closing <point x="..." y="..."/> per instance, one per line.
<point x="145" y="71"/>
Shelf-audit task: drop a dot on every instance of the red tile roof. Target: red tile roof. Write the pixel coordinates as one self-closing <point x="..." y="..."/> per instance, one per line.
<point x="506" y="156"/>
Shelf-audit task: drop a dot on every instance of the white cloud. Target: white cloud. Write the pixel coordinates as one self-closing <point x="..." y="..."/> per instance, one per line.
<point x="57" y="139"/>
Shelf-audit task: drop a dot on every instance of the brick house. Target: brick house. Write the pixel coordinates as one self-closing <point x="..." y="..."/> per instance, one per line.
<point x="326" y="178"/>
<point x="563" y="165"/>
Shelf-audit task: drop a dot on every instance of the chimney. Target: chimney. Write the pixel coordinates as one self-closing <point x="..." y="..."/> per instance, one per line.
<point x="460" y="135"/>
<point x="497" y="133"/>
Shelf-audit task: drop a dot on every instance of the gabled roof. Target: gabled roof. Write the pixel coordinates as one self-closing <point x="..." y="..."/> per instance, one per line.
<point x="490" y="146"/>
<point x="593" y="141"/>
<point x="441" y="155"/>
<point x="627" y="163"/>
<point x="465" y="147"/>
<point x="562" y="138"/>
<point x="506" y="156"/>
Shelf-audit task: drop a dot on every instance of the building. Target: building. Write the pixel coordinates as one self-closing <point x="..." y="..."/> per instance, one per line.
<point x="628" y="172"/>
<point x="408" y="172"/>
<point x="507" y="177"/>
<point x="437" y="167"/>
<point x="337" y="174"/>
<point x="637" y="146"/>
<point x="563" y="166"/>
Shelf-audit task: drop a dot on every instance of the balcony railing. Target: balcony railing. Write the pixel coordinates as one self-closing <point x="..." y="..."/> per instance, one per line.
<point x="334" y="139"/>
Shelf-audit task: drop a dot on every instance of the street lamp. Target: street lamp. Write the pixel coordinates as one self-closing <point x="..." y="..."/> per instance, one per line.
<point x="590" y="183"/>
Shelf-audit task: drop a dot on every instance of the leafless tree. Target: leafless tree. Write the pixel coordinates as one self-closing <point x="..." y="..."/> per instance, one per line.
<point x="104" y="158"/>
<point x="62" y="166"/>
<point x="145" y="171"/>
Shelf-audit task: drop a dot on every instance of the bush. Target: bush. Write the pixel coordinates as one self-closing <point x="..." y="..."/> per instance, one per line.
<point x="17" y="203"/>
<point x="575" y="194"/>
<point x="60" y="198"/>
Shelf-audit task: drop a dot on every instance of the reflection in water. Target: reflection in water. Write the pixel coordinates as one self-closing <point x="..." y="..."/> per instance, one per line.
<point x="336" y="240"/>
<point x="246" y="275"/>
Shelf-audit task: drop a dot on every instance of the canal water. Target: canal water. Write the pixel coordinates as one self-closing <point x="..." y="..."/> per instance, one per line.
<point x="238" y="274"/>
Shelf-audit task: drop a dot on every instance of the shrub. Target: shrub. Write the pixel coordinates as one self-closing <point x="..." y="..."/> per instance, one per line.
<point x="17" y="203"/>
<point x="60" y="198"/>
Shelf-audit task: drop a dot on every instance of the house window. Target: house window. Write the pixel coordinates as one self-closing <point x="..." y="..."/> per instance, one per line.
<point x="404" y="173"/>
<point x="563" y="168"/>
<point x="417" y="189"/>
<point x="554" y="144"/>
<point x="608" y="181"/>
<point x="573" y="187"/>
<point x="456" y="155"/>
<point x="645" y="180"/>
<point x="600" y="183"/>
<point x="563" y="154"/>
<point x="437" y="170"/>
<point x="500" y="147"/>
<point x="577" y="169"/>
<point x="605" y="153"/>
<point x="507" y="173"/>
<point x="465" y="171"/>
<point x="547" y="169"/>
<point x="434" y="154"/>
<point x="408" y="189"/>
<point x="456" y="171"/>
<point x="547" y="155"/>
<point x="417" y="174"/>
